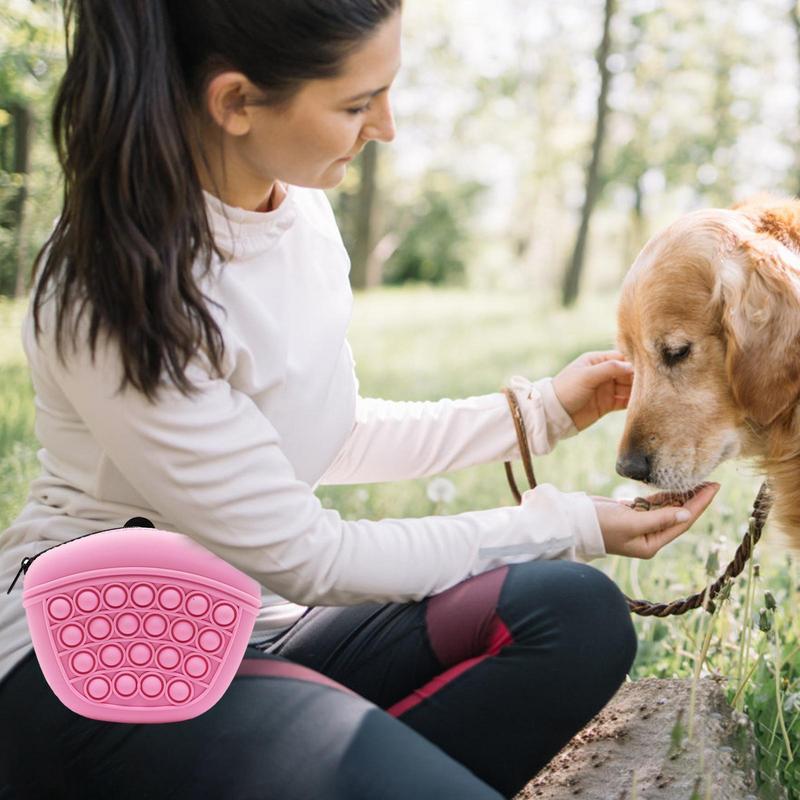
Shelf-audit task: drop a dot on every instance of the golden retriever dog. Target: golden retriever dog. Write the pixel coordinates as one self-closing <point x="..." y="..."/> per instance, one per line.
<point x="709" y="316"/>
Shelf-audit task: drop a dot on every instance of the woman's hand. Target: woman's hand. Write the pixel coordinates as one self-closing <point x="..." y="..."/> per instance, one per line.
<point x="641" y="534"/>
<point x="594" y="384"/>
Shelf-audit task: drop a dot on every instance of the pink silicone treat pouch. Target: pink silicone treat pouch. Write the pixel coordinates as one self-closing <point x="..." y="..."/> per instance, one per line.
<point x="137" y="624"/>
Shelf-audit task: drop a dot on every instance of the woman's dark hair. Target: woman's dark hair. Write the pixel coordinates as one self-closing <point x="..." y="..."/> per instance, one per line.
<point x="134" y="221"/>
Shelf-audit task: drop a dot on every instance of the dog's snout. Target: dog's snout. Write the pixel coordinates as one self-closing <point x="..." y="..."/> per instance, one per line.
<point x="634" y="464"/>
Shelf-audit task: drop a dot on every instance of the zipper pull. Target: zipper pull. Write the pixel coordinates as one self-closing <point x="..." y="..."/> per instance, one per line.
<point x="138" y="522"/>
<point x="26" y="562"/>
<point x="134" y="522"/>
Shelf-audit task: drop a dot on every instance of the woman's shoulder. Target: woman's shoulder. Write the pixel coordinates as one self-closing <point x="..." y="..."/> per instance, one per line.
<point x="316" y="208"/>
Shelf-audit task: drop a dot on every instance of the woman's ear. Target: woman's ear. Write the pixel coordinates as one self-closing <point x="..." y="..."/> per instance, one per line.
<point x="226" y="102"/>
<point x="760" y="288"/>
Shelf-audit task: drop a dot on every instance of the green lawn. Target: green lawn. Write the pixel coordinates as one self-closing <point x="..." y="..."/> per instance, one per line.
<point x="421" y="343"/>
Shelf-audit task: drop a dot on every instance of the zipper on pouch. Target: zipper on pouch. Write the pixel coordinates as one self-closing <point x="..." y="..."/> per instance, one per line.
<point x="134" y="522"/>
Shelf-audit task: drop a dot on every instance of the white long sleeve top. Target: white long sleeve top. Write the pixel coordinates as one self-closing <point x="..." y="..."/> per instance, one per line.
<point x="235" y="467"/>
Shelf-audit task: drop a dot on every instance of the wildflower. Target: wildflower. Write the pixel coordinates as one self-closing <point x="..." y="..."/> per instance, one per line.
<point x="362" y="495"/>
<point x="791" y="702"/>
<point x="441" y="490"/>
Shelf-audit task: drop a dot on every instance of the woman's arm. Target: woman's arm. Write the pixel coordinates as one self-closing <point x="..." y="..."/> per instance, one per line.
<point x="398" y="440"/>
<point x="212" y="465"/>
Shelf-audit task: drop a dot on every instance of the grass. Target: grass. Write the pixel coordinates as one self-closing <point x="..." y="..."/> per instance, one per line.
<point x="420" y="343"/>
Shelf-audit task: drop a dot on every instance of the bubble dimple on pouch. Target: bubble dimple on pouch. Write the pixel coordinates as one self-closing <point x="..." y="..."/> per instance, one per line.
<point x="179" y="691"/>
<point x="196" y="666"/>
<point x="87" y="600"/>
<point x="71" y="635"/>
<point x="169" y="599"/>
<point x="155" y="624"/>
<point x="168" y="657"/>
<point x="143" y="595"/>
<point x="115" y="596"/>
<point x="151" y="686"/>
<point x="210" y="640"/>
<point x="99" y="627"/>
<point x="140" y="654"/>
<point x="183" y="630"/>
<point x="224" y="614"/>
<point x="59" y="608"/>
<point x="127" y="624"/>
<point x="98" y="688"/>
<point x="197" y="604"/>
<point x="82" y="662"/>
<point x="111" y="655"/>
<point x="125" y="684"/>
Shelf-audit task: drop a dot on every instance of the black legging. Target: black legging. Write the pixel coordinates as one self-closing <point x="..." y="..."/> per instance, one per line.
<point x="480" y="686"/>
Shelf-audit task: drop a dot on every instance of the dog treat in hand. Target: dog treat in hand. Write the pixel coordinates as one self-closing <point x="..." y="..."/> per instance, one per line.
<point x="663" y="499"/>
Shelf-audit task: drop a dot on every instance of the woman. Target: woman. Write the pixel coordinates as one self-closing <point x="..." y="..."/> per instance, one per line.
<point x="209" y="387"/>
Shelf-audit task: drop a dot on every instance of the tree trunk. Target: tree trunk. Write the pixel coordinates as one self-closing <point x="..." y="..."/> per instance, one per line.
<point x="4" y="148"/>
<point x="363" y="228"/>
<point x="14" y="212"/>
<point x="380" y="254"/>
<point x="572" y="275"/>
<point x="636" y="229"/>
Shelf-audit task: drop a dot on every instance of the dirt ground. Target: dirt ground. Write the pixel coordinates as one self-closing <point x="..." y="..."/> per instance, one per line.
<point x="638" y="748"/>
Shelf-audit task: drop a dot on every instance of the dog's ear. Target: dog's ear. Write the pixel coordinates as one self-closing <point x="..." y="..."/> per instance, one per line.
<point x="760" y="292"/>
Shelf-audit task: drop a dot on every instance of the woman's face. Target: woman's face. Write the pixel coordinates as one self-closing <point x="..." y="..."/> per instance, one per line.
<point x="310" y="141"/>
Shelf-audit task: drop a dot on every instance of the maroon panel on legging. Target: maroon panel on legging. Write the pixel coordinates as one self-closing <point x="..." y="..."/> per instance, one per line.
<point x="463" y="629"/>
<point x="460" y="620"/>
<point x="499" y="638"/>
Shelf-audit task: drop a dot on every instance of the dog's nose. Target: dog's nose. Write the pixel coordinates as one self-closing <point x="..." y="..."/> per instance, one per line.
<point x="634" y="464"/>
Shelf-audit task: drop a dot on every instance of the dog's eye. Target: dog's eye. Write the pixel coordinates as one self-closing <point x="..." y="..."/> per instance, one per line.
<point x="673" y="356"/>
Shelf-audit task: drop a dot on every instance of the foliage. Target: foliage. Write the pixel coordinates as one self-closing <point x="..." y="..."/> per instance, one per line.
<point x="434" y="246"/>
<point x="31" y="62"/>
<point x="703" y="112"/>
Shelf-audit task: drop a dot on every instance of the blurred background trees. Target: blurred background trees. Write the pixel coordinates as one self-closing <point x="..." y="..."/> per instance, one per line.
<point x="539" y="144"/>
<point x="31" y="61"/>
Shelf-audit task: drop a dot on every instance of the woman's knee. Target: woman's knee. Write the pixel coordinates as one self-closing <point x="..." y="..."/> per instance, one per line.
<point x="575" y="604"/>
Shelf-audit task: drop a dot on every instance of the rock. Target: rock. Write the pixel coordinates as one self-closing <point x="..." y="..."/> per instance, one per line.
<point x="637" y="748"/>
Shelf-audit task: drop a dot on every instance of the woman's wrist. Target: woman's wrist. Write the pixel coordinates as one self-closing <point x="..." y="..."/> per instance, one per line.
<point x="589" y="541"/>
<point x="569" y="517"/>
<point x="545" y="418"/>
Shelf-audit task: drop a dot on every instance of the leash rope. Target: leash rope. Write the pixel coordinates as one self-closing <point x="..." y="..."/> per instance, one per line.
<point x="645" y="608"/>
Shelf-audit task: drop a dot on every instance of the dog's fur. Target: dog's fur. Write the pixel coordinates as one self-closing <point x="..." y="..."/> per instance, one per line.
<point x="725" y="283"/>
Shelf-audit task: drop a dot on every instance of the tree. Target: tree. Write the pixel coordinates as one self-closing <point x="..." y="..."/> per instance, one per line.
<point x="572" y="276"/>
<point x="29" y="70"/>
<point x="364" y="217"/>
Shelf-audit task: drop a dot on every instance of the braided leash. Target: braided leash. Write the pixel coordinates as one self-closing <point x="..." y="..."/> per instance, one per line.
<point x="645" y="608"/>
